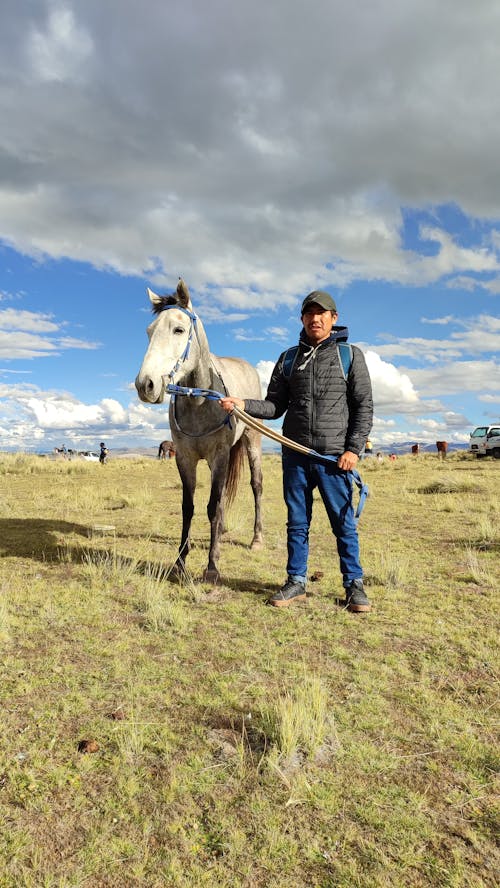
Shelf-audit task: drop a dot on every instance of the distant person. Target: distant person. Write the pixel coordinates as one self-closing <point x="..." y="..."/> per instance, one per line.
<point x="103" y="455"/>
<point x="380" y="458"/>
<point x="368" y="448"/>
<point x="331" y="412"/>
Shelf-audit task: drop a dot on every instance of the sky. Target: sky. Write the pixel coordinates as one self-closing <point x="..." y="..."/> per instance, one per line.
<point x="260" y="151"/>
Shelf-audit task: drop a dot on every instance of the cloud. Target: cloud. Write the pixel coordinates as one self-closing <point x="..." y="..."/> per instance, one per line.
<point x="63" y="413"/>
<point x="456" y="377"/>
<point x="34" y="417"/>
<point x="477" y="336"/>
<point x="393" y="391"/>
<point x="464" y="282"/>
<point x="277" y="333"/>
<point x="35" y="322"/>
<point x="265" y="369"/>
<point x="242" y="335"/>
<point x="449" y="421"/>
<point x="27" y="335"/>
<point x="220" y="153"/>
<point x="59" y="50"/>
<point x="443" y="321"/>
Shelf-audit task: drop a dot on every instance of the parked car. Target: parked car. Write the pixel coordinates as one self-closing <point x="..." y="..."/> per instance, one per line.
<point x="89" y="455"/>
<point x="485" y="441"/>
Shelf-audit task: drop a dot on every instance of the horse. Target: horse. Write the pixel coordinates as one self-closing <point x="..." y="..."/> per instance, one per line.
<point x="442" y="447"/>
<point x="166" y="450"/>
<point x="179" y="353"/>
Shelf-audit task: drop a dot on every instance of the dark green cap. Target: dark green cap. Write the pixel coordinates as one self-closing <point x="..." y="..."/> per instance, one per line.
<point x="319" y="297"/>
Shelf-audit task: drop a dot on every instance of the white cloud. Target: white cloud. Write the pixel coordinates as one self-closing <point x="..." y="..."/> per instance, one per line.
<point x="219" y="152"/>
<point x="63" y="413"/>
<point x="31" y="416"/>
<point x="265" y="369"/>
<point x="59" y="51"/>
<point x="440" y="321"/>
<point x="489" y="399"/>
<point x="477" y="336"/>
<point x="393" y="391"/>
<point x="34" y="322"/>
<point x="277" y="333"/>
<point x="27" y="335"/>
<point x="456" y="377"/>
<point x="464" y="282"/>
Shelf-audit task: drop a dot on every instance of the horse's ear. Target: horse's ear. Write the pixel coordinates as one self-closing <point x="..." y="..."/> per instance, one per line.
<point x="154" y="298"/>
<point x="183" y="293"/>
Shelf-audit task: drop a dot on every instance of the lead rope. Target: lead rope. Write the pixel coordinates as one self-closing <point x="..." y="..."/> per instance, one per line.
<point x="259" y="426"/>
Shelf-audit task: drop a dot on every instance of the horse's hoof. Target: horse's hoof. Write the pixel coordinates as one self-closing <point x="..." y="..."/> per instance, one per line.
<point x="256" y="545"/>
<point x="211" y="576"/>
<point x="176" y="574"/>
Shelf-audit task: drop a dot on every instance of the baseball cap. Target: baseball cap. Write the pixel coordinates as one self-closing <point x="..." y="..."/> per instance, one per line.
<point x="319" y="297"/>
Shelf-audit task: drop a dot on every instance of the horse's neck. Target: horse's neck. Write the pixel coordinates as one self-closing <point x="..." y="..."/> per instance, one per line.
<point x="199" y="374"/>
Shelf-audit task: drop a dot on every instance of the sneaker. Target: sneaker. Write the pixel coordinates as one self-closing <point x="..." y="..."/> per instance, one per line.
<point x="291" y="591"/>
<point x="355" y="597"/>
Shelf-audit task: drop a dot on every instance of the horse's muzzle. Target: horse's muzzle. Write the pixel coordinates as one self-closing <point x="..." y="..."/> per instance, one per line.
<point x="149" y="391"/>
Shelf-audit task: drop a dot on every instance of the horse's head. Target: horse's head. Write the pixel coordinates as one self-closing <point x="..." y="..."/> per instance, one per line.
<point x="169" y="357"/>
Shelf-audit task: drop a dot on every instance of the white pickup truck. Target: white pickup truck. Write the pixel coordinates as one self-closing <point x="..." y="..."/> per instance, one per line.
<point x="485" y="441"/>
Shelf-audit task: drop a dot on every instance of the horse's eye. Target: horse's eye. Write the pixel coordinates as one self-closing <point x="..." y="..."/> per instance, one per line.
<point x="178" y="330"/>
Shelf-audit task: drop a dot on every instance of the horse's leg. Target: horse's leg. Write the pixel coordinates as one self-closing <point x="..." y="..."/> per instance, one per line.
<point x="215" y="512"/>
<point x="187" y="470"/>
<point x="254" y="453"/>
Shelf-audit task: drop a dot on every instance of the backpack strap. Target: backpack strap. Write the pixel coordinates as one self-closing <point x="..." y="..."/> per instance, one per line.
<point x="289" y="361"/>
<point x="344" y="350"/>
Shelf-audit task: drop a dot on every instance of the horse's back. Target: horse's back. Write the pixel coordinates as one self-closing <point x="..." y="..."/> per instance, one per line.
<point x="240" y="378"/>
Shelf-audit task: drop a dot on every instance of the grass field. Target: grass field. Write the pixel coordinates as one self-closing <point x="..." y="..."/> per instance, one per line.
<point x="156" y="734"/>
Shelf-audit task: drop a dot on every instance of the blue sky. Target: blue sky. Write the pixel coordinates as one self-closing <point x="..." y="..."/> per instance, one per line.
<point x="353" y="149"/>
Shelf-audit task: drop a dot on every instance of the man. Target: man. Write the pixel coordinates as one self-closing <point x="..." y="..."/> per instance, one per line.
<point x="332" y="415"/>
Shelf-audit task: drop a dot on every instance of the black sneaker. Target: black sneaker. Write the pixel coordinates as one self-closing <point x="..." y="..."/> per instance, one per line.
<point x="291" y="591"/>
<point x="355" y="598"/>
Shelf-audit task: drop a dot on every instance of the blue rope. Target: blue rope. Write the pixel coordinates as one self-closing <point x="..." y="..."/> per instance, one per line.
<point x="322" y="457"/>
<point x="194" y="392"/>
<point x="209" y="394"/>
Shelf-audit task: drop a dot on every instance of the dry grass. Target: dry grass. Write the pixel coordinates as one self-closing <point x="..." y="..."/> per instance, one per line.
<point x="236" y="744"/>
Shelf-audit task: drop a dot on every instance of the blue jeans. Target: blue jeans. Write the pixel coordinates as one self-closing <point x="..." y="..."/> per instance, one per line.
<point x="301" y="474"/>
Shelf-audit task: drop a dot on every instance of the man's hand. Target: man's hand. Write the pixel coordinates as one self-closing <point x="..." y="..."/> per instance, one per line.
<point x="347" y="461"/>
<point x="228" y="404"/>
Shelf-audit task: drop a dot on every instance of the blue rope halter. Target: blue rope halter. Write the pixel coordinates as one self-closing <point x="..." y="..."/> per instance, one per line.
<point x="192" y="327"/>
<point x="174" y="390"/>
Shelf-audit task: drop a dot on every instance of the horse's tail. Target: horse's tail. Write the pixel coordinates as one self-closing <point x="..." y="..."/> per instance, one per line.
<point x="236" y="460"/>
<point x="160" y="450"/>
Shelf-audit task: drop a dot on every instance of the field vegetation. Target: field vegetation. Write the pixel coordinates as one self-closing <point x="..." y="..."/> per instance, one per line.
<point x="164" y="734"/>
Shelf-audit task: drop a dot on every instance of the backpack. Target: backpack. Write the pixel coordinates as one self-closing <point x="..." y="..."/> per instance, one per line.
<point x="344" y="351"/>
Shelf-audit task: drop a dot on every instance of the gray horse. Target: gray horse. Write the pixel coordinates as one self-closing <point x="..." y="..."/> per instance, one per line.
<point x="179" y="354"/>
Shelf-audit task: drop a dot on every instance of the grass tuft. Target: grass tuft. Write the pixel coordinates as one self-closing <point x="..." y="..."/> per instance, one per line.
<point x="298" y="725"/>
<point x="450" y="485"/>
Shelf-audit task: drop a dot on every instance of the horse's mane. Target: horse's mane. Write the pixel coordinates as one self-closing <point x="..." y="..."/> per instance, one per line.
<point x="170" y="299"/>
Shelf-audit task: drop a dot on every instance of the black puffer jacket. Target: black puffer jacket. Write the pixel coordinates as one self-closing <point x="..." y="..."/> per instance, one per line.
<point x="324" y="411"/>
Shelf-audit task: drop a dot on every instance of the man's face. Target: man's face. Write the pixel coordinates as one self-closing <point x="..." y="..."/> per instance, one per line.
<point x="318" y="323"/>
